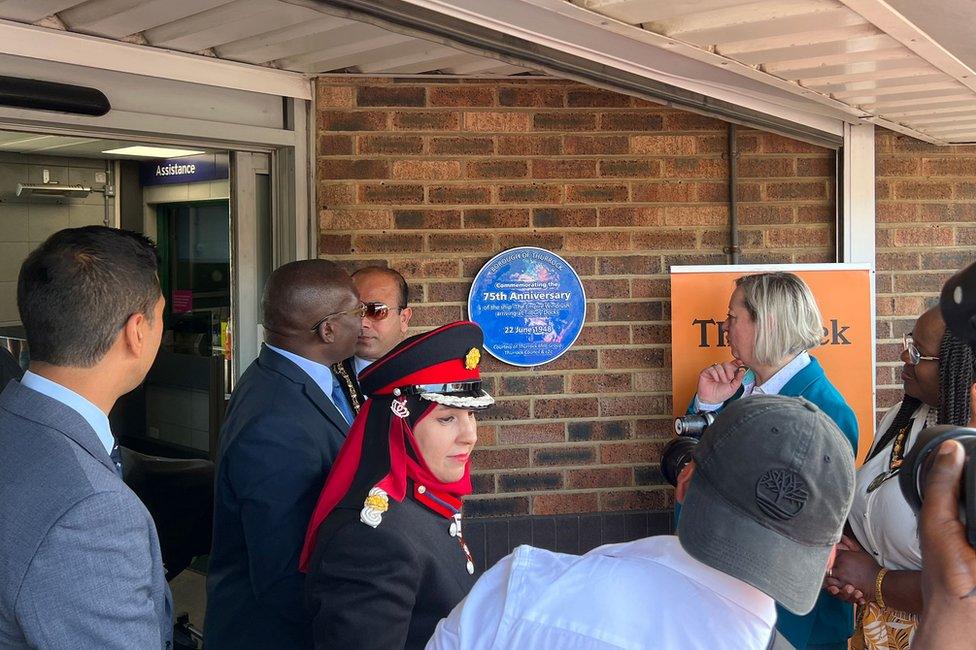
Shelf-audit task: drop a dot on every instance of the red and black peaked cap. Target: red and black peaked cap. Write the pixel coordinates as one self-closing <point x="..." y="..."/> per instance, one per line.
<point x="441" y="366"/>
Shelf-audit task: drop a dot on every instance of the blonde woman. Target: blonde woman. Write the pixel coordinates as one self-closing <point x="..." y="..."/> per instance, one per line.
<point x="772" y="324"/>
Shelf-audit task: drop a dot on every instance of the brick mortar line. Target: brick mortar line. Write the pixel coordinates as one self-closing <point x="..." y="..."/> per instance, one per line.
<point x="597" y="490"/>
<point x="709" y="155"/>
<point x="607" y="229"/>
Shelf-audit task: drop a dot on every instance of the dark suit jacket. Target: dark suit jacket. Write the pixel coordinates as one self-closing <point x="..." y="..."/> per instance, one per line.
<point x="345" y="371"/>
<point x="9" y="368"/>
<point x="277" y="444"/>
<point x="80" y="565"/>
<point x="384" y="588"/>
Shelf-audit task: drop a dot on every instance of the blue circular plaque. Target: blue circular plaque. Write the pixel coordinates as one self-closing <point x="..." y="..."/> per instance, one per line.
<point x="530" y="304"/>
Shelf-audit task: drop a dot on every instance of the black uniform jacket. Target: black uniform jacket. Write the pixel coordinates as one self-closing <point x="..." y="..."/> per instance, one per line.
<point x="387" y="587"/>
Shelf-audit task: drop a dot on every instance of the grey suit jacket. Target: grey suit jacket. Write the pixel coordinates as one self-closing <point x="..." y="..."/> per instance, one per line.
<point x="80" y="565"/>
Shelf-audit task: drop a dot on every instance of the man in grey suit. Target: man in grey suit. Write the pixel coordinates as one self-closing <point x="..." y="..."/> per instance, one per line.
<point x="80" y="565"/>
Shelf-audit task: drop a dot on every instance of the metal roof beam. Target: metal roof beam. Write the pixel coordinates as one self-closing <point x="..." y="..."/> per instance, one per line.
<point x="284" y="42"/>
<point x="813" y="37"/>
<point x="348" y="54"/>
<point x="114" y="20"/>
<point x="798" y="68"/>
<point x="29" y="11"/>
<point x="920" y="91"/>
<point x="919" y="103"/>
<point x="827" y="82"/>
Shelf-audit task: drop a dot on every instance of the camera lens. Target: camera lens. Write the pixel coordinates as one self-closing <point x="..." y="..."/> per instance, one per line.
<point x="693" y="425"/>
<point x="918" y="461"/>
<point x="675" y="456"/>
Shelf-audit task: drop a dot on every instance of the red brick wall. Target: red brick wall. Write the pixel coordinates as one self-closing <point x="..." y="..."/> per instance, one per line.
<point x="926" y="230"/>
<point x="435" y="177"/>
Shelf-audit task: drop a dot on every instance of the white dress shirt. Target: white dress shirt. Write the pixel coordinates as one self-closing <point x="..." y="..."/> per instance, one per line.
<point x="644" y="594"/>
<point x="360" y="364"/>
<point x="882" y="520"/>
<point x="772" y="386"/>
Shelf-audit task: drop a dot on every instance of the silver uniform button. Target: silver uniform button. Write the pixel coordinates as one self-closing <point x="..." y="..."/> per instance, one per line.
<point x="470" y="568"/>
<point x="422" y="489"/>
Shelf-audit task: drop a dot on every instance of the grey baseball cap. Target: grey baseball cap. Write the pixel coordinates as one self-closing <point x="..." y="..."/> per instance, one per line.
<point x="773" y="484"/>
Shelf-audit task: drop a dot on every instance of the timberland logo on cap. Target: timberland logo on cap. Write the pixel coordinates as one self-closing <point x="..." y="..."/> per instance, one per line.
<point x="781" y="493"/>
<point x="472" y="358"/>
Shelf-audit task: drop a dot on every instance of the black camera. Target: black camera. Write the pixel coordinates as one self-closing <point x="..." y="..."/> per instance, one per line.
<point x="919" y="459"/>
<point x="680" y="451"/>
<point x="958" y="306"/>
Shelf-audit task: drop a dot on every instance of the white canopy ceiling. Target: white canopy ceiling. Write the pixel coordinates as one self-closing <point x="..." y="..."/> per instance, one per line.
<point x="905" y="65"/>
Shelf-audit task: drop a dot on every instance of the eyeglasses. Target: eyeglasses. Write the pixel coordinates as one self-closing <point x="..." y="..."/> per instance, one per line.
<point x="379" y="310"/>
<point x="370" y="310"/>
<point x="358" y="312"/>
<point x="914" y="356"/>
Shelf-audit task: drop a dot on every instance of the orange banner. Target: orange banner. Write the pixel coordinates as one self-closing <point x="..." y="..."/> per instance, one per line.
<point x="699" y="304"/>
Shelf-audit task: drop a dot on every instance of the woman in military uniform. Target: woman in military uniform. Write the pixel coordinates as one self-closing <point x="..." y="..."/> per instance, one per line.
<point x="385" y="552"/>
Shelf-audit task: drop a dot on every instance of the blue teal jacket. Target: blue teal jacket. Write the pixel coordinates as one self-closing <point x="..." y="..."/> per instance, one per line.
<point x="831" y="621"/>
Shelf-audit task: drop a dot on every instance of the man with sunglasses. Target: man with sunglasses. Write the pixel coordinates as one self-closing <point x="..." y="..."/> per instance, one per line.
<point x="285" y="424"/>
<point x="384" y="292"/>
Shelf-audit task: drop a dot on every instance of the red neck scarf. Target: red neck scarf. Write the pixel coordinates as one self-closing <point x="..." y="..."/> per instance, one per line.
<point x="403" y="465"/>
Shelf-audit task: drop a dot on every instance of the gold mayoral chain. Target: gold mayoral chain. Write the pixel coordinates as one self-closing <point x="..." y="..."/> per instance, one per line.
<point x="344" y="376"/>
<point x="896" y="459"/>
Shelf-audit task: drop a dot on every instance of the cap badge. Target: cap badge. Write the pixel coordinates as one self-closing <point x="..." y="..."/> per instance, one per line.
<point x="781" y="493"/>
<point x="377" y="502"/>
<point x="472" y="358"/>
<point x="399" y="408"/>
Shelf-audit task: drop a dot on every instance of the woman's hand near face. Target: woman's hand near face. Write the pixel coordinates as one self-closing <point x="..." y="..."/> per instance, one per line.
<point x="720" y="381"/>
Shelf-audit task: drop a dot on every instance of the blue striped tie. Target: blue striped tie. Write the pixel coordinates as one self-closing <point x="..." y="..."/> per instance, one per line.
<point x="341" y="401"/>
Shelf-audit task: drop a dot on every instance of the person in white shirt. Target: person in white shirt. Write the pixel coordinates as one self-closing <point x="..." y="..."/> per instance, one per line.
<point x="764" y="504"/>
<point x="385" y="323"/>
<point x="879" y="566"/>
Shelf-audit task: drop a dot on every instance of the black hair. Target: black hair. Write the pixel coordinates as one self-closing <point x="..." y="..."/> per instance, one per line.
<point x="77" y="290"/>
<point x="298" y="294"/>
<point x="394" y="275"/>
<point x="903" y="418"/>
<point x="956" y="376"/>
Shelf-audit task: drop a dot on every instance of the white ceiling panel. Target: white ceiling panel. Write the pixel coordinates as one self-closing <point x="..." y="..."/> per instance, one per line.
<point x="812" y="64"/>
<point x="121" y="18"/>
<point x="754" y="27"/>
<point x="642" y="11"/>
<point x="29" y="11"/>
<point x="427" y="60"/>
<point x="62" y="145"/>
<point x="865" y="75"/>
<point x="307" y="36"/>
<point x="858" y="58"/>
<point x="358" y="44"/>
<point x="227" y="23"/>
<point x="862" y="53"/>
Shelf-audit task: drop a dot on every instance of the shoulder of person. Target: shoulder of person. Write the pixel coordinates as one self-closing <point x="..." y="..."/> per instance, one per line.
<point x="279" y="417"/>
<point x="350" y="546"/>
